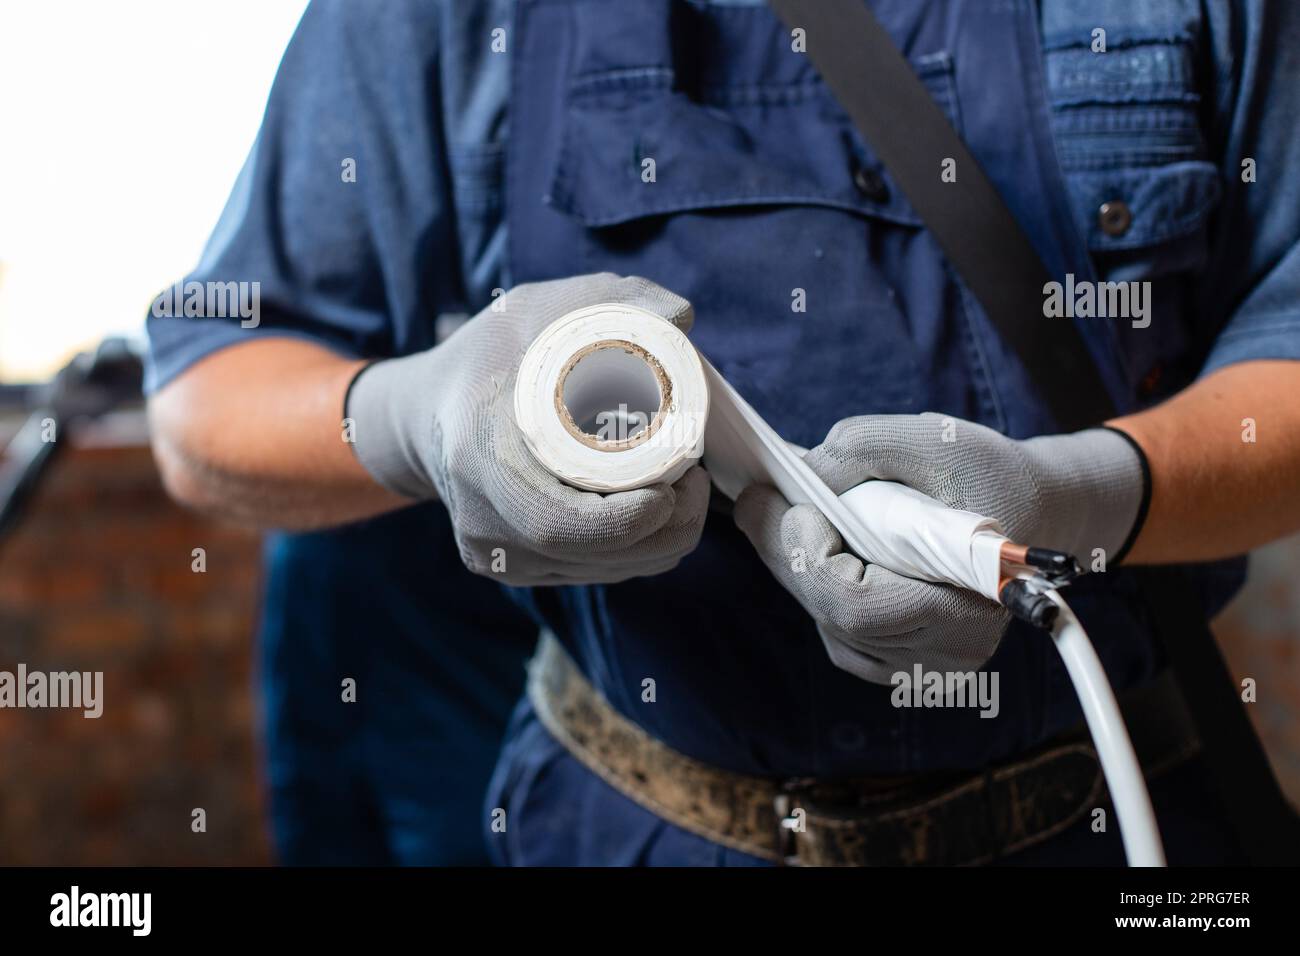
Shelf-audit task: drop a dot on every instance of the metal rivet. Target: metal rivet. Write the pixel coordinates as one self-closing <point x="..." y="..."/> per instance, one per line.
<point x="1114" y="217"/>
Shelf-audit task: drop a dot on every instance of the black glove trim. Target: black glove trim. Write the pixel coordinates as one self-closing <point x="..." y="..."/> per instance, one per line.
<point x="1145" y="504"/>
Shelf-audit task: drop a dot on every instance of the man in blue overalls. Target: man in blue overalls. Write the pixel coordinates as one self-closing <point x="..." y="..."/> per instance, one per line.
<point x="548" y="148"/>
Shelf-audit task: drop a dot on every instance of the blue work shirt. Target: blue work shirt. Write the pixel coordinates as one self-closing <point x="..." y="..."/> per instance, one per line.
<point x="501" y="143"/>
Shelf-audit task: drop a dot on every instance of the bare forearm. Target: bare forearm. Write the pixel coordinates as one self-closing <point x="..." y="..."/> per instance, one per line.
<point x="1225" y="464"/>
<point x="254" y="434"/>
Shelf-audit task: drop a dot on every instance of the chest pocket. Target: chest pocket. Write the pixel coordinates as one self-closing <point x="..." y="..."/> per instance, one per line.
<point x="1141" y="184"/>
<point x="638" y="144"/>
<point x="1126" y="125"/>
<point x="700" y="151"/>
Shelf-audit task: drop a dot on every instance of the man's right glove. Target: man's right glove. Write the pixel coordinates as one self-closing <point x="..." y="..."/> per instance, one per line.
<point x="1078" y="493"/>
<point x="440" y="424"/>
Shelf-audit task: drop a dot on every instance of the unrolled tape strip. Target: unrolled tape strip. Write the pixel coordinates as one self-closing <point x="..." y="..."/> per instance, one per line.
<point x="613" y="397"/>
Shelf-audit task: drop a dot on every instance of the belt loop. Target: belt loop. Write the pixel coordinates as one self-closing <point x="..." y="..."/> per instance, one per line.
<point x="787" y="832"/>
<point x="787" y="841"/>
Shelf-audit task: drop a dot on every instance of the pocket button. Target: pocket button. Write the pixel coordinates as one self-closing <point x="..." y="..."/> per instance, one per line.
<point x="1114" y="217"/>
<point x="871" y="184"/>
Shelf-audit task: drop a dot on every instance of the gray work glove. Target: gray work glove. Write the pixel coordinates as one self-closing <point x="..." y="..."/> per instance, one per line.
<point x="441" y="424"/>
<point x="1074" y="493"/>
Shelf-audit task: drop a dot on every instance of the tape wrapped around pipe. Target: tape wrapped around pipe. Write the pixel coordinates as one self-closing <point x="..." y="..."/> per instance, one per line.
<point x="613" y="397"/>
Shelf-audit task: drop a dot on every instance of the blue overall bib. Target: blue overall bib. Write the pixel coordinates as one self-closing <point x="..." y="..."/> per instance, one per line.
<point x="758" y="193"/>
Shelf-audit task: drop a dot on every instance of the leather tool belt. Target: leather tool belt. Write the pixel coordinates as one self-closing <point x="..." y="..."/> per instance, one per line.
<point x="930" y="819"/>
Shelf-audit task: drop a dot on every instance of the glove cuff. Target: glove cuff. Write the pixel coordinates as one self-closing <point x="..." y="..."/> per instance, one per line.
<point x="1093" y="484"/>
<point x="380" y="430"/>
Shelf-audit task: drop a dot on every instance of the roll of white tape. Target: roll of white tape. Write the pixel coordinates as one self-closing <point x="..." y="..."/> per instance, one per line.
<point x="612" y="398"/>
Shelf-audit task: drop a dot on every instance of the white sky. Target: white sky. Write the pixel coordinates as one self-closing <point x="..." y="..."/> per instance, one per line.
<point x="123" y="124"/>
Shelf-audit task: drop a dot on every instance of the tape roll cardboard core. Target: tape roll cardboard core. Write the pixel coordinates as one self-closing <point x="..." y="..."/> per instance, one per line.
<point x="610" y="395"/>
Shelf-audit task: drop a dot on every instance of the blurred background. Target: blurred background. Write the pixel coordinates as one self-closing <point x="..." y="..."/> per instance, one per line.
<point x="122" y="128"/>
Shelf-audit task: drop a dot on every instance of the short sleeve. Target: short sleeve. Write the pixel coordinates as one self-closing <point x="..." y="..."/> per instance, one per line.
<point x="339" y="229"/>
<point x="1255" y="282"/>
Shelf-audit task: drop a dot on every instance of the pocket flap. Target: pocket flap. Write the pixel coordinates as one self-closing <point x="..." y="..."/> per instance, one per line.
<point x="635" y="146"/>
<point x="1164" y="202"/>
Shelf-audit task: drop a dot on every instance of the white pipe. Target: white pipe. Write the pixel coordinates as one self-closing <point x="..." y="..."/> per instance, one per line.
<point x="903" y="523"/>
<point x="1137" y="819"/>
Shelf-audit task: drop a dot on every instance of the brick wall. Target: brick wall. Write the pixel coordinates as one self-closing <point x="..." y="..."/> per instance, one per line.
<point x="98" y="578"/>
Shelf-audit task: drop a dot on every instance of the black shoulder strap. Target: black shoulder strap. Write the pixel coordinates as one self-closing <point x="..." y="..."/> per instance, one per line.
<point x="896" y="115"/>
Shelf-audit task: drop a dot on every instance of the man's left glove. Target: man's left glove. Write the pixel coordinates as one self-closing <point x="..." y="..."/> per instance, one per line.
<point x="441" y="424"/>
<point x="1074" y="493"/>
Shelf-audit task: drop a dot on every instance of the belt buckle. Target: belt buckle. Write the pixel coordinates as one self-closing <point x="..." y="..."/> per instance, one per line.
<point x="791" y="820"/>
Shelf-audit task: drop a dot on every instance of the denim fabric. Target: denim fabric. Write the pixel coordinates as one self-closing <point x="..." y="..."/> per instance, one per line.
<point x="415" y="93"/>
<point x="480" y="169"/>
